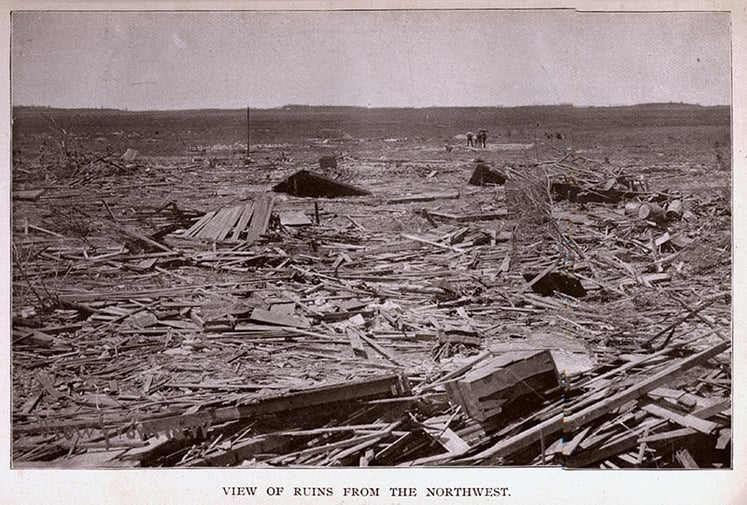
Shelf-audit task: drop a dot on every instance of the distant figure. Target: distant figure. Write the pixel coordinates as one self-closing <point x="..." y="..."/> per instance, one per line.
<point x="482" y="138"/>
<point x="470" y="136"/>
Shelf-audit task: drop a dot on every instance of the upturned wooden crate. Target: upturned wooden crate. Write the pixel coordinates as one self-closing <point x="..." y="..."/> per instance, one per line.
<point x="482" y="392"/>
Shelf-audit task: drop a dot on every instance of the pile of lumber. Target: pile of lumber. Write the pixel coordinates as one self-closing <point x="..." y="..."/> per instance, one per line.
<point x="409" y="328"/>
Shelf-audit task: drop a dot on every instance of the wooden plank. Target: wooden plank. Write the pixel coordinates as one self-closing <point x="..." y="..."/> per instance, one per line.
<point x="356" y="342"/>
<point x="283" y="308"/>
<point x="229" y="223"/>
<point x="29" y="194"/>
<point x="613" y="447"/>
<point x="439" y="429"/>
<point x="354" y="441"/>
<point x="575" y="441"/>
<point x="44" y="230"/>
<point x="46" y="382"/>
<point x="219" y="223"/>
<point x="260" y="218"/>
<point x="712" y="410"/>
<point x="453" y="442"/>
<point x="455" y="373"/>
<point x="637" y="362"/>
<point x="269" y="317"/>
<point x="686" y="459"/>
<point x="379" y="349"/>
<point x="667" y="435"/>
<point x="140" y="237"/>
<point x="246" y="216"/>
<point x="363" y="445"/>
<point x="212" y="227"/>
<point x="629" y="459"/>
<point x="724" y="439"/>
<point x="294" y="218"/>
<point x="192" y="231"/>
<point x="243" y="451"/>
<point x="687" y="421"/>
<point x="430" y="242"/>
<point x="30" y="403"/>
<point x="575" y="421"/>
<point x="382" y="386"/>
<point x="268" y="214"/>
<point x="145" y="264"/>
<point x="425" y="197"/>
<point x="466" y="218"/>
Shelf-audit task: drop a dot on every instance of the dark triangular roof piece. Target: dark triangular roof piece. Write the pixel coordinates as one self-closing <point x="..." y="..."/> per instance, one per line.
<point x="305" y="183"/>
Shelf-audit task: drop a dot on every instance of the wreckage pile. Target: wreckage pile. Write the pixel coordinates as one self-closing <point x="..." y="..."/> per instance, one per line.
<point x="540" y="323"/>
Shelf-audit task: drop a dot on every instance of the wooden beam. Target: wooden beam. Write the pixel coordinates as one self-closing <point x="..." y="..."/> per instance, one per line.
<point x="571" y="423"/>
<point x="687" y="421"/>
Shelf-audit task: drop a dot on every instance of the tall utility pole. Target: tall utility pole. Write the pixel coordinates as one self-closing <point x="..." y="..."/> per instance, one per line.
<point x="248" y="133"/>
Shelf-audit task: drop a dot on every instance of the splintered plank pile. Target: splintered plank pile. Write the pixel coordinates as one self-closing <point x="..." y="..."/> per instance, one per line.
<point x="232" y="223"/>
<point x="435" y="324"/>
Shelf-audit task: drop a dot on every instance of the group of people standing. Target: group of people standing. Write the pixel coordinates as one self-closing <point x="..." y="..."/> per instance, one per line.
<point x="479" y="140"/>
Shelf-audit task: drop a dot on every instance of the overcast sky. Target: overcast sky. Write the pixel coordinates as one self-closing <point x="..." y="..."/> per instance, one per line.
<point x="484" y="58"/>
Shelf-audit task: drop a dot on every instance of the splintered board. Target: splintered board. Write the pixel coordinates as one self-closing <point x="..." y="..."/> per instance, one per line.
<point x="229" y="223"/>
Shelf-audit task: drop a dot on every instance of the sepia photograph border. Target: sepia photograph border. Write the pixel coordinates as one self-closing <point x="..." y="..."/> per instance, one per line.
<point x="527" y="485"/>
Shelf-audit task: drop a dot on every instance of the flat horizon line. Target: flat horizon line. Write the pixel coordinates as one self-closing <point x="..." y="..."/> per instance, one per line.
<point x="302" y="106"/>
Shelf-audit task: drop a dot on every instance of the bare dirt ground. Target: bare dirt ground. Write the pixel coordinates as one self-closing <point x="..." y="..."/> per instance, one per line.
<point x="124" y="326"/>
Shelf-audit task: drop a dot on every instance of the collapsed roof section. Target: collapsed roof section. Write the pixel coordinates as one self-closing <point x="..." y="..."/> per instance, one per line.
<point x="305" y="183"/>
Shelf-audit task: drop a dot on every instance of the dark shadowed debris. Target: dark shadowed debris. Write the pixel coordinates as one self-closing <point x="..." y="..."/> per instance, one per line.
<point x="305" y="183"/>
<point x="556" y="281"/>
<point x="327" y="162"/>
<point x="484" y="175"/>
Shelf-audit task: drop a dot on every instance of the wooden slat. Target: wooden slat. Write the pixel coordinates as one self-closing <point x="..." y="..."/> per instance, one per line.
<point x="199" y="224"/>
<point x="667" y="435"/>
<point x="230" y="222"/>
<point x="246" y="216"/>
<point x="380" y="349"/>
<point x="211" y="228"/>
<point x="687" y="421"/>
<point x="593" y="412"/>
<point x="425" y="197"/>
<point x="220" y="222"/>
<point x="266" y="316"/>
<point x="260" y="219"/>
<point x="30" y="194"/>
<point x="573" y="444"/>
<point x="686" y="459"/>
<point x="356" y="342"/>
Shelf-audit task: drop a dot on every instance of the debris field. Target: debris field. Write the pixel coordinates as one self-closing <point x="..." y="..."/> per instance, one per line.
<point x="424" y="307"/>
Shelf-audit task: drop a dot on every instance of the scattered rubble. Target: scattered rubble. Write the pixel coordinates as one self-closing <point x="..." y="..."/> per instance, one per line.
<point x="491" y="326"/>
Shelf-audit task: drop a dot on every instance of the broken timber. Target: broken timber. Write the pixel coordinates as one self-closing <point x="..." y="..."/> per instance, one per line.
<point x="575" y="421"/>
<point x="251" y="218"/>
<point x="463" y="218"/>
<point x="383" y="386"/>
